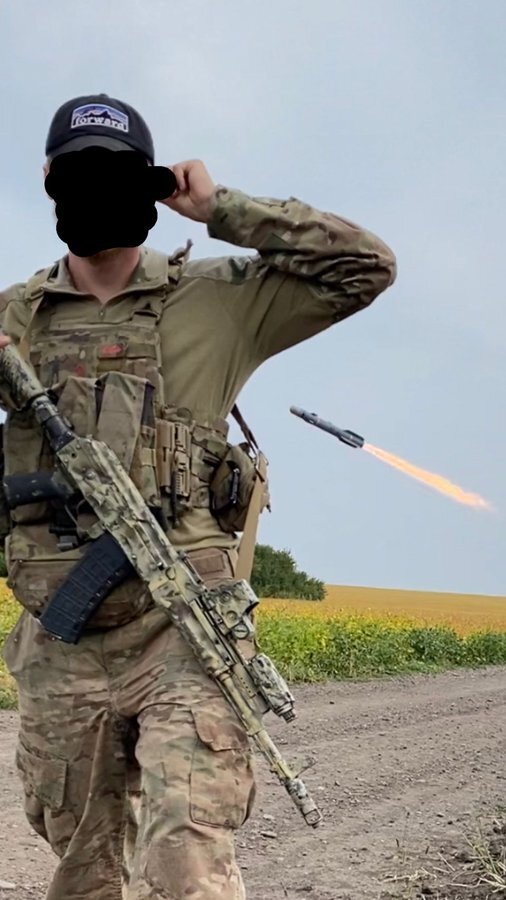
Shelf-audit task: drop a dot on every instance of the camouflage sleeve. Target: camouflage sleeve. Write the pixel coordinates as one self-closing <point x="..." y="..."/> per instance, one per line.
<point x="14" y="315"/>
<point x="313" y="268"/>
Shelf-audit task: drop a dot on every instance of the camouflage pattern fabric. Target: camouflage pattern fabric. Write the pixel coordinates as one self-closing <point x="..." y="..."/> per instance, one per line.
<point x="226" y="315"/>
<point x="134" y="768"/>
<point x="220" y="319"/>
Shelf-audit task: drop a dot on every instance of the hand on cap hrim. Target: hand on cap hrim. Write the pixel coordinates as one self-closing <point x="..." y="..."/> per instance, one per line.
<point x="4" y="340"/>
<point x="195" y="189"/>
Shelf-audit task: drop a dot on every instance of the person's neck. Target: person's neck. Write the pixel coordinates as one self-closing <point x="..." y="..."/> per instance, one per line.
<point x="105" y="274"/>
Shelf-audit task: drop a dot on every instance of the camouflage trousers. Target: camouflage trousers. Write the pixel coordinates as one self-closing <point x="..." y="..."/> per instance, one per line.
<point x="133" y="766"/>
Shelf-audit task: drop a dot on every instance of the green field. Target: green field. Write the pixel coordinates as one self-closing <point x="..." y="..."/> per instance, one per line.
<point x="358" y="633"/>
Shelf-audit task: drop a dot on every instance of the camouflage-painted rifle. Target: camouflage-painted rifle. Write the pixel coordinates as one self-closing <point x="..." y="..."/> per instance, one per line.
<point x="127" y="532"/>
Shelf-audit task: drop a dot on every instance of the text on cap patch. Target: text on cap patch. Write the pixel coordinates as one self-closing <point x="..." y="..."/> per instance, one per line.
<point x="99" y="114"/>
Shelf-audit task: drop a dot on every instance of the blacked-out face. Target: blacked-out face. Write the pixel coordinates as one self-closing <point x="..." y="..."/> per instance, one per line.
<point x="105" y="199"/>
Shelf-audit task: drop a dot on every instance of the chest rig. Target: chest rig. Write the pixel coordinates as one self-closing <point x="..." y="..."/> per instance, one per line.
<point x="107" y="380"/>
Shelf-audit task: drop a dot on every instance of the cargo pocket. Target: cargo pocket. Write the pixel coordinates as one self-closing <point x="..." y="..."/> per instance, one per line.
<point x="222" y="782"/>
<point x="43" y="781"/>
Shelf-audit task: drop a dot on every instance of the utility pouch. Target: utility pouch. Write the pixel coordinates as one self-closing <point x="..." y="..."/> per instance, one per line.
<point x="174" y="452"/>
<point x="232" y="488"/>
<point x="187" y="456"/>
<point x="126" y="423"/>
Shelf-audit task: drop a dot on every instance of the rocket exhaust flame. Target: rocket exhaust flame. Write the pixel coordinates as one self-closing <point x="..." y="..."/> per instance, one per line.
<point x="430" y="479"/>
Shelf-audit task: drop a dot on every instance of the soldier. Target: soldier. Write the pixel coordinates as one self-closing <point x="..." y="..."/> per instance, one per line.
<point x="133" y="767"/>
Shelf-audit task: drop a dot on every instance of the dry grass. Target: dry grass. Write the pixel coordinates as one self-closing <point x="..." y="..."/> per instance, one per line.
<point x="473" y="869"/>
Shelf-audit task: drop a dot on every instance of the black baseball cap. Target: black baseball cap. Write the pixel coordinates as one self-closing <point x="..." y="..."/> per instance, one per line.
<point x="97" y="120"/>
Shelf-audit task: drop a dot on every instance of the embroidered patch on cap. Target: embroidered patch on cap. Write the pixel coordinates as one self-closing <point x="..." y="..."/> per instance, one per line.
<point x="99" y="114"/>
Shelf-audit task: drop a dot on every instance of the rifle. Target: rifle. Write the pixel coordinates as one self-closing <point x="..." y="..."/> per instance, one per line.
<point x="127" y="539"/>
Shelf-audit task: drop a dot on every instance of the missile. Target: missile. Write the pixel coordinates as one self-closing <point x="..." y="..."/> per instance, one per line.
<point x="342" y="434"/>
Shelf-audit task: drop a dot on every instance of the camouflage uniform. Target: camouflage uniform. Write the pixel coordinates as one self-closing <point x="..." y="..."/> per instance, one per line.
<point x="133" y="767"/>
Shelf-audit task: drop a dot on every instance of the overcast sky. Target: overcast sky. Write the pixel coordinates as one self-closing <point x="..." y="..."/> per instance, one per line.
<point x="389" y="112"/>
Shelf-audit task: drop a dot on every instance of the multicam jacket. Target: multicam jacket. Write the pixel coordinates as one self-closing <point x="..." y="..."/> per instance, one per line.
<point x="156" y="370"/>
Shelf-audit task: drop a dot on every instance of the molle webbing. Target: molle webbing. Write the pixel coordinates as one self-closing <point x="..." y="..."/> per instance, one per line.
<point x="170" y="457"/>
<point x="188" y="454"/>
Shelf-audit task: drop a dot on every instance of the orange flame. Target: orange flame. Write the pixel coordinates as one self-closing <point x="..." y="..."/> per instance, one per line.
<point x="443" y="485"/>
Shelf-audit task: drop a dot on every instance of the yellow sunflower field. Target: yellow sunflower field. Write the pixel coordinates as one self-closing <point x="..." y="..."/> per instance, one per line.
<point x="358" y="633"/>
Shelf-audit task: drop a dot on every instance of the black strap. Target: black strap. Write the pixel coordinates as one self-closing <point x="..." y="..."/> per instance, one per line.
<point x="246" y="430"/>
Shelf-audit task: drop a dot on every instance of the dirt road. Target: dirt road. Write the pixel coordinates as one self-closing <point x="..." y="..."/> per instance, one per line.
<point x="404" y="768"/>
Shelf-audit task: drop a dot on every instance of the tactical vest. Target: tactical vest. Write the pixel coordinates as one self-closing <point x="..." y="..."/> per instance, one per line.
<point x="107" y="381"/>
